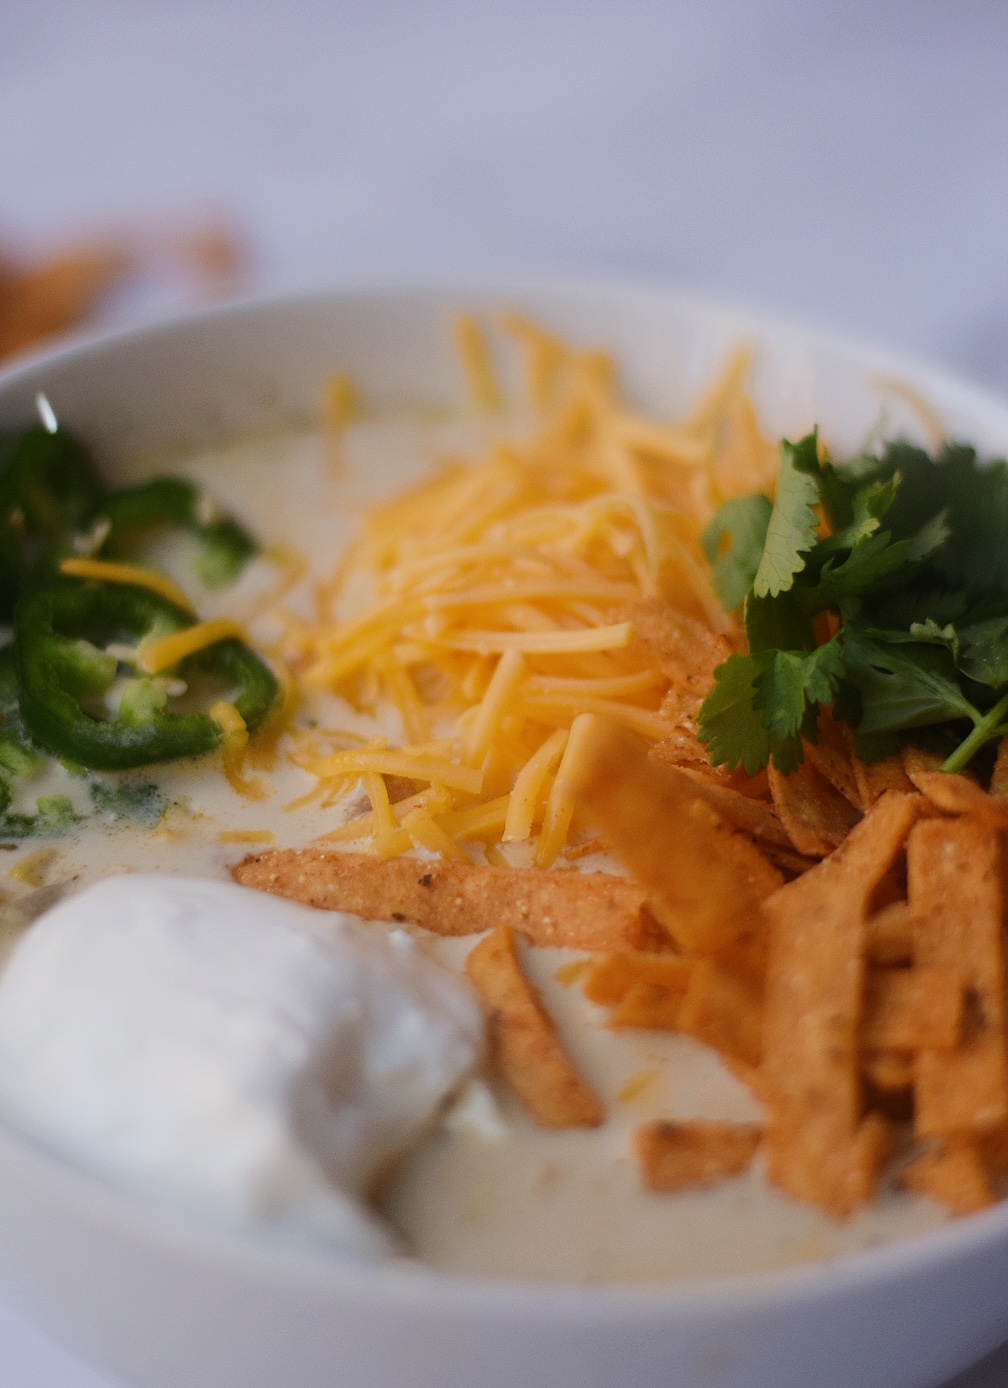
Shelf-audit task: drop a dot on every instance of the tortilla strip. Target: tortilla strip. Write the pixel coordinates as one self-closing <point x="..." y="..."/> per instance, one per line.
<point x="682" y="748"/>
<point x="875" y="778"/>
<point x="953" y="1176"/>
<point x="789" y="863"/>
<point x="608" y="978"/>
<point x="813" y="1009"/>
<point x="916" y="759"/>
<point x="647" y="1007"/>
<point x="993" y="1148"/>
<point x="955" y="889"/>
<point x="722" y="1011"/>
<point x="817" y="1162"/>
<point x="524" y="1042"/>
<point x="38" y="301"/>
<point x="833" y="757"/>
<point x="746" y="958"/>
<point x="678" y="1156"/>
<point x="889" y="935"/>
<point x="999" y="776"/>
<point x="699" y="877"/>
<point x="756" y="818"/>
<point x="908" y="1009"/>
<point x="890" y="1072"/>
<point x="817" y="817"/>
<point x="687" y="651"/>
<point x="583" y="910"/>
<point x="960" y="795"/>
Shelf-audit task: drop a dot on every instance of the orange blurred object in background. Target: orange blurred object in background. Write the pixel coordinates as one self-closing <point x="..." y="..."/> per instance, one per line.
<point x="40" y="299"/>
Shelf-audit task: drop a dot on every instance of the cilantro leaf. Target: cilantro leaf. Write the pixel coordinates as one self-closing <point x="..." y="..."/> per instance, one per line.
<point x="793" y="685"/>
<point x="733" y="543"/>
<point x="731" y="726"/>
<point x="903" y="685"/>
<point x="791" y="533"/>
<point x="876" y="559"/>
<point x="780" y="623"/>
<point x="983" y="652"/>
<point x="840" y="487"/>
<point x="864" y="513"/>
<point x="975" y="497"/>
<point x="763" y="705"/>
<point x="916" y="571"/>
<point x="931" y="634"/>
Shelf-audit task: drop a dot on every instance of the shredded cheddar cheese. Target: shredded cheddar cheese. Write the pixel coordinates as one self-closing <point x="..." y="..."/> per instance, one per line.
<point x="162" y="654"/>
<point x="478" y="366"/>
<point x="264" y="836"/>
<point x="341" y="403"/>
<point x="133" y="574"/>
<point x="502" y="592"/>
<point x="236" y="738"/>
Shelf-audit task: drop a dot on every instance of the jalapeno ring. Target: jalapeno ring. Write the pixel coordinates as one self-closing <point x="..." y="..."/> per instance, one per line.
<point x="61" y="631"/>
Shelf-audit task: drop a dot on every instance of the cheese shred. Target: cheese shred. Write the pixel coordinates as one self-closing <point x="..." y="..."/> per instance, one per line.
<point x="104" y="571"/>
<point x="500" y="601"/>
<point x="162" y="654"/>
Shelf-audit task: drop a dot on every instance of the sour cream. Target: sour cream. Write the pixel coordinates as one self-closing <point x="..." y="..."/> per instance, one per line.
<point x="254" y="1060"/>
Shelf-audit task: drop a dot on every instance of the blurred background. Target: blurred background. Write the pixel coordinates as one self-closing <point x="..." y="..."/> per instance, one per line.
<point x="843" y="162"/>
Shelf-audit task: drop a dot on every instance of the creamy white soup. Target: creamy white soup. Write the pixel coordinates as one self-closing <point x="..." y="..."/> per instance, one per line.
<point x="485" y="1191"/>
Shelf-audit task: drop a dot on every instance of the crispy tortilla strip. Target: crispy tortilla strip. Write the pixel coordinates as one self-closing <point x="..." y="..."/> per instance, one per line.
<point x="39" y="301"/>
<point x="46" y="297"/>
<point x="749" y="1075"/>
<point x="683" y="748"/>
<point x="816" y="817"/>
<point x="891" y="889"/>
<point x="953" y="1176"/>
<point x="813" y="1009"/>
<point x="889" y="935"/>
<point x="993" y="1148"/>
<point x="722" y="1011"/>
<point x="999" y="776"/>
<point x="875" y="778"/>
<point x="762" y="876"/>
<point x="955" y="889"/>
<point x="610" y="977"/>
<point x="687" y="651"/>
<point x="697" y="874"/>
<point x="746" y="957"/>
<point x="789" y="863"/>
<point x="833" y="757"/>
<point x="757" y="818"/>
<point x="909" y="1009"/>
<point x="678" y="1156"/>
<point x="649" y="1007"/>
<point x="524" y="1042"/>
<point x="890" y="1072"/>
<point x="917" y="759"/>
<point x="815" y="1163"/>
<point x="960" y="795"/>
<point x="591" y="911"/>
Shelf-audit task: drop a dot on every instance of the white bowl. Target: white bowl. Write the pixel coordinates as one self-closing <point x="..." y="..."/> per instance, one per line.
<point x="161" y="1301"/>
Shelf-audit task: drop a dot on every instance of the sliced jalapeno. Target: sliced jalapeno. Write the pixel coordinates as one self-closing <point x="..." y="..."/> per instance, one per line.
<point x="47" y="486"/>
<point x="18" y="754"/>
<point x="225" y="548"/>
<point x="64" y="670"/>
<point x="19" y="757"/>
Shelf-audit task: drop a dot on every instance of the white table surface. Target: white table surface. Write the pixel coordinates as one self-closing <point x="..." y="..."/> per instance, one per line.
<point x="843" y="162"/>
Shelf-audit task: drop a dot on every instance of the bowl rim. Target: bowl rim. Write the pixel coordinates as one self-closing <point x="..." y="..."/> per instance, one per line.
<point x="406" y="1281"/>
<point x="742" y="315"/>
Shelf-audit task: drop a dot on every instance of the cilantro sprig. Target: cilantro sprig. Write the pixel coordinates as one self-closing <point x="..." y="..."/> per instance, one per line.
<point x="909" y="555"/>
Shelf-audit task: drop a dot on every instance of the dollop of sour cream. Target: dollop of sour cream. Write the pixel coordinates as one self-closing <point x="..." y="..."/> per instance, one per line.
<point x="254" y="1060"/>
